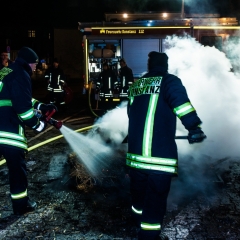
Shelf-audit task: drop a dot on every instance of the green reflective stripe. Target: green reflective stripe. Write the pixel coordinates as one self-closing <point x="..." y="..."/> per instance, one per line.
<point x="13" y="143"/>
<point x="21" y="132"/>
<point x="27" y="115"/>
<point x="148" y="226"/>
<point x="183" y="109"/>
<point x="1" y="86"/>
<point x="148" y="128"/>
<point x="34" y="101"/>
<point x="139" y="165"/>
<point x="154" y="160"/>
<point x="5" y="103"/>
<point x="13" y="136"/>
<point x="131" y="100"/>
<point x="19" y="195"/>
<point x="136" y="210"/>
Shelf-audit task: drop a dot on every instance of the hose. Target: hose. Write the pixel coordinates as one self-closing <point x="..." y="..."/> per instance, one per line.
<point x="50" y="140"/>
<point x="89" y="100"/>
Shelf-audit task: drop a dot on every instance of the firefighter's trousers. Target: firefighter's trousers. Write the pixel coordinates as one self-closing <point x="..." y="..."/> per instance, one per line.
<point x="149" y="192"/>
<point x="15" y="159"/>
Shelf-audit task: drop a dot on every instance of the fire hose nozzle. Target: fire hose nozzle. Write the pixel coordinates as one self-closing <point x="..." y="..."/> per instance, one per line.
<point x="55" y="123"/>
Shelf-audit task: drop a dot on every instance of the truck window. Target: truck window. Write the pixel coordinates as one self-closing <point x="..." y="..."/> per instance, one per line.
<point x="211" y="41"/>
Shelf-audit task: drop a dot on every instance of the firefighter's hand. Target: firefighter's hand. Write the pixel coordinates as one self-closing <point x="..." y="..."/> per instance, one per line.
<point x="196" y="136"/>
<point x="47" y="108"/>
<point x="41" y="126"/>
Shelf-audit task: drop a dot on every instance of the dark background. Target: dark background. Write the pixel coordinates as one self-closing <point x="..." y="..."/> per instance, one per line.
<point x="66" y="13"/>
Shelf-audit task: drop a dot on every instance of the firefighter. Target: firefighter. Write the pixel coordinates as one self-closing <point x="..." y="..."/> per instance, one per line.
<point x="126" y="77"/>
<point x="154" y="102"/>
<point x="106" y="83"/>
<point x="55" y="77"/>
<point x="17" y="109"/>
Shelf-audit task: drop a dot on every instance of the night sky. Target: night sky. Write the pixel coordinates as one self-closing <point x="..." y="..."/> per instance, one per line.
<point x="66" y="13"/>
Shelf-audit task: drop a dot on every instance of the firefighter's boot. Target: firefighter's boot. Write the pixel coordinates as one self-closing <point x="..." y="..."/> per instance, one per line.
<point x="31" y="206"/>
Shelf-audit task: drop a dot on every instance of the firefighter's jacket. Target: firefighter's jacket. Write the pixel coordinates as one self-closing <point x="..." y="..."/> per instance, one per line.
<point x="55" y="77"/>
<point x="16" y="104"/>
<point x="154" y="102"/>
<point x="126" y="79"/>
<point x="106" y="81"/>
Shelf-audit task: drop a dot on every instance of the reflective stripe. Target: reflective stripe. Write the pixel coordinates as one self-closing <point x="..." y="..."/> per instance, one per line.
<point x="1" y="86"/>
<point x="47" y="76"/>
<point x="13" y="136"/>
<point x="57" y="90"/>
<point x="19" y="195"/>
<point x="21" y="132"/>
<point x="34" y="101"/>
<point x="148" y="128"/>
<point x="5" y="103"/>
<point x="148" y="226"/>
<point x="154" y="160"/>
<point x="139" y="165"/>
<point x="136" y="211"/>
<point x="13" y="143"/>
<point x="183" y="109"/>
<point x="27" y="115"/>
<point x="38" y="106"/>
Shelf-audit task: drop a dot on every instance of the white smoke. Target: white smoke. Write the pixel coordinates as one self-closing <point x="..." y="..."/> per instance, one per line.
<point x="213" y="90"/>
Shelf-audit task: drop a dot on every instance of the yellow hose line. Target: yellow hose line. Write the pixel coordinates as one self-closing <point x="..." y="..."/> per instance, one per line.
<point x="50" y="140"/>
<point x="89" y="100"/>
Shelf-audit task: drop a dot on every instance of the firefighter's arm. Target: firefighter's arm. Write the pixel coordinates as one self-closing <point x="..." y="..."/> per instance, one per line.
<point x="21" y="100"/>
<point x="44" y="108"/>
<point x="177" y="98"/>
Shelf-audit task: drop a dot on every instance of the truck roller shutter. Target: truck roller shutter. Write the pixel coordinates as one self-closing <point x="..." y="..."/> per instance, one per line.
<point x="135" y="52"/>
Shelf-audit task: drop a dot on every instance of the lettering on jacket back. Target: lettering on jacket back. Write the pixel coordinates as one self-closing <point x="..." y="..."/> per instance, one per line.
<point x="149" y="85"/>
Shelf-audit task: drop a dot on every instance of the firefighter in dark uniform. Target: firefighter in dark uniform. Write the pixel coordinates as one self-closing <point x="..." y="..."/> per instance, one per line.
<point x="126" y="78"/>
<point x="17" y="109"/>
<point x="55" y="77"/>
<point x="106" y="82"/>
<point x="154" y="102"/>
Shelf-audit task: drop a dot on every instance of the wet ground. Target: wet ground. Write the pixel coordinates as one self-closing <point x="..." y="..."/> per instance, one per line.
<point x="203" y="203"/>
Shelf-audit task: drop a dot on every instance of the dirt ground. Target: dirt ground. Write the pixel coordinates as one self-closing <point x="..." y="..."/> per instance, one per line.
<point x="204" y="206"/>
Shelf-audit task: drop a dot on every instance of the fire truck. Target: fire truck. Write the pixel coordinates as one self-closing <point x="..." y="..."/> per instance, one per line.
<point x="133" y="36"/>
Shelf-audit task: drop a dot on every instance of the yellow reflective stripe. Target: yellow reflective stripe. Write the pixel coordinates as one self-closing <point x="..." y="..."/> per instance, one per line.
<point x="19" y="195"/>
<point x="13" y="143"/>
<point x="148" y="226"/>
<point x="154" y="160"/>
<point x="136" y="211"/>
<point x="183" y="109"/>
<point x="27" y="115"/>
<point x="13" y="136"/>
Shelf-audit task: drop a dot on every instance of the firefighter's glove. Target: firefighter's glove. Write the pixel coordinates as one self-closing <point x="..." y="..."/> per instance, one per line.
<point x="47" y="108"/>
<point x="41" y="126"/>
<point x="196" y="135"/>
